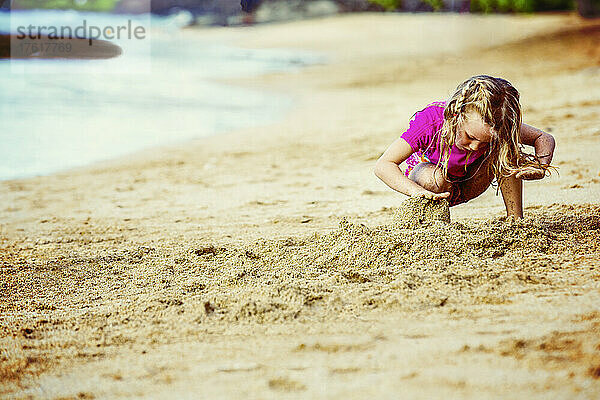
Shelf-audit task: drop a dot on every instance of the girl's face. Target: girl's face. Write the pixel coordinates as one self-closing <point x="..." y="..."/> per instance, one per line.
<point x="473" y="134"/>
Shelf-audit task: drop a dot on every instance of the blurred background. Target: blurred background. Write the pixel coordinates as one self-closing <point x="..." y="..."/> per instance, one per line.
<point x="234" y="12"/>
<point x="62" y="113"/>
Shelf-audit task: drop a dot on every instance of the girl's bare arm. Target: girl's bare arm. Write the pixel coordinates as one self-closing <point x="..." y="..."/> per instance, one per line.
<point x="543" y="143"/>
<point x="387" y="170"/>
<point x="512" y="194"/>
<point x="512" y="187"/>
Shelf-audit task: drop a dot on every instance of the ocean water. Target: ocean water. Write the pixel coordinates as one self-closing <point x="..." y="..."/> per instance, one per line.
<point x="60" y="114"/>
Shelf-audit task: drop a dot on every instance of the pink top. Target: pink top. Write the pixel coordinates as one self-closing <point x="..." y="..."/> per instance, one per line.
<point x="423" y="136"/>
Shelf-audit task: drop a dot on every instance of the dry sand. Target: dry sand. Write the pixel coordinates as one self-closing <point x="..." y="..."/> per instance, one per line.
<point x="271" y="263"/>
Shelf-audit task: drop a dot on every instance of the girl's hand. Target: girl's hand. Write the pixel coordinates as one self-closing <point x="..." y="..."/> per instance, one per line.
<point x="530" y="173"/>
<point x="433" y="196"/>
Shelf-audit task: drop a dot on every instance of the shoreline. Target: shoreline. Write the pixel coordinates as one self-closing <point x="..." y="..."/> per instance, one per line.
<point x="84" y="122"/>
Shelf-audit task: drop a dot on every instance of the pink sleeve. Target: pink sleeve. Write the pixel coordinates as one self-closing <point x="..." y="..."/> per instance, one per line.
<point x="420" y="130"/>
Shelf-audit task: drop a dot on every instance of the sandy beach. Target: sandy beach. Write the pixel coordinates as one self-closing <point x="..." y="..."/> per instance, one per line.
<point x="271" y="263"/>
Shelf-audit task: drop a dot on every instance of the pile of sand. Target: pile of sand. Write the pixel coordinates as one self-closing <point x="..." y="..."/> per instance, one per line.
<point x="417" y="211"/>
<point x="356" y="267"/>
<point x="350" y="269"/>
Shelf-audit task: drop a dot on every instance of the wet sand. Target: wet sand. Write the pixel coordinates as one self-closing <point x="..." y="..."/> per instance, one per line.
<point x="271" y="263"/>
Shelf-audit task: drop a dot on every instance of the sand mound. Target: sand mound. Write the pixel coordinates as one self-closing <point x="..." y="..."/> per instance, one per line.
<point x="350" y="269"/>
<point x="416" y="211"/>
<point x="356" y="267"/>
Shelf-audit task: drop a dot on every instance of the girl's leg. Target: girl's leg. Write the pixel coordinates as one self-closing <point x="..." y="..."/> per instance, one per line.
<point x="477" y="184"/>
<point x="431" y="178"/>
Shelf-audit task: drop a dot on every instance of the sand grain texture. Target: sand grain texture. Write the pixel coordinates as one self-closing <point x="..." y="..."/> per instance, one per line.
<point x="416" y="211"/>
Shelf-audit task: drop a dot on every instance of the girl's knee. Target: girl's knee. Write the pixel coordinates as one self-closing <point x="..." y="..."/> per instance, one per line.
<point x="440" y="183"/>
<point x="477" y="184"/>
<point x="430" y="177"/>
<point x="473" y="189"/>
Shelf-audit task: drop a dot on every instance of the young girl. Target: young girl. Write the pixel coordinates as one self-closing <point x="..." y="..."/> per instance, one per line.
<point x="455" y="149"/>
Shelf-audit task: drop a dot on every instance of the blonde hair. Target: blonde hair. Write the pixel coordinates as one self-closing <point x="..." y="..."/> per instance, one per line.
<point x="497" y="101"/>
